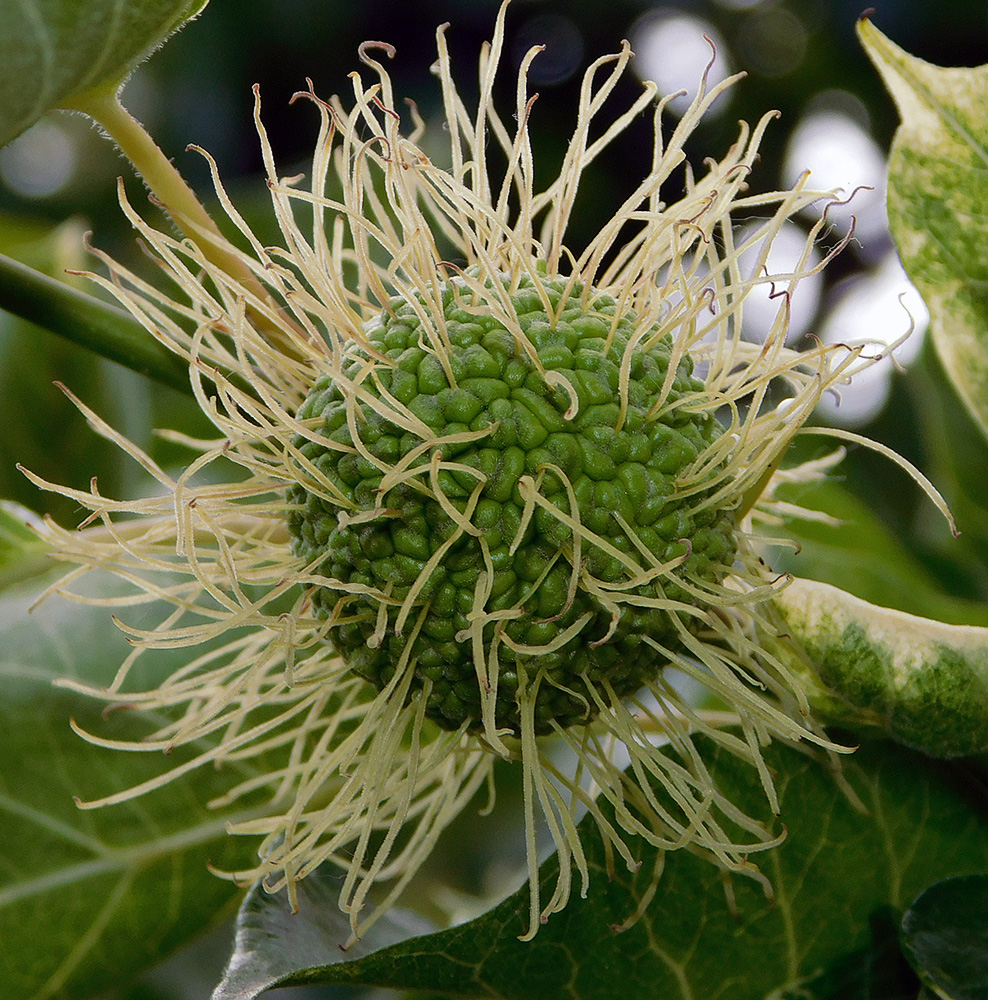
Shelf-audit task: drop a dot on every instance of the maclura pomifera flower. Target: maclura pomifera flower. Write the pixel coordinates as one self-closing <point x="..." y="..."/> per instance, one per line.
<point x="492" y="487"/>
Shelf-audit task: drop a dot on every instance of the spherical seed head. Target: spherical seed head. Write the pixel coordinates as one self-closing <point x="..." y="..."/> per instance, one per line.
<point x="543" y="526"/>
<point x="511" y="555"/>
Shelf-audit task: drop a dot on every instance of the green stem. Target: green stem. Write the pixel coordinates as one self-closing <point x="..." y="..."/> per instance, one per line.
<point x="160" y="175"/>
<point x="176" y="197"/>
<point x="87" y="321"/>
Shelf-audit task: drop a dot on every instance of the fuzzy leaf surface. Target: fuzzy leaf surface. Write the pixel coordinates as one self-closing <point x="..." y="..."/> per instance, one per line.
<point x="937" y="193"/>
<point x="841" y="879"/>
<point x="922" y="682"/>
<point x="51" y="50"/>
<point x="88" y="898"/>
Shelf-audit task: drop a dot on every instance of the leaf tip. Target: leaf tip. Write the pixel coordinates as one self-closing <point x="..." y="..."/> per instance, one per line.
<point x="869" y="36"/>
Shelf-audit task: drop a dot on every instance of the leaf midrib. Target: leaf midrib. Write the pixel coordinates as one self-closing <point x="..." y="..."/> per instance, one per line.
<point x="116" y="859"/>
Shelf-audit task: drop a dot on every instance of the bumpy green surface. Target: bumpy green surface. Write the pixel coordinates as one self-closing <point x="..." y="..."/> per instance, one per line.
<point x="632" y="471"/>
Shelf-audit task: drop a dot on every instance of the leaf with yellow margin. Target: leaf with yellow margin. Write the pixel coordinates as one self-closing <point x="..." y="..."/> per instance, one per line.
<point x="938" y="203"/>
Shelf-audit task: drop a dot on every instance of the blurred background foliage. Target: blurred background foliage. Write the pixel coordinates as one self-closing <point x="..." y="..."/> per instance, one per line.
<point x="57" y="181"/>
<point x="801" y="58"/>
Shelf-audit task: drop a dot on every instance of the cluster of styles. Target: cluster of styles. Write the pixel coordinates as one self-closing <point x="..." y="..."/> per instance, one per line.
<point x="491" y="488"/>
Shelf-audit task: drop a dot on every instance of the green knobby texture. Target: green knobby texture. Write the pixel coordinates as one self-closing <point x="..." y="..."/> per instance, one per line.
<point x="631" y="470"/>
<point x="53" y="50"/>
<point x="937" y="192"/>
<point x="923" y="682"/>
<point x="841" y="880"/>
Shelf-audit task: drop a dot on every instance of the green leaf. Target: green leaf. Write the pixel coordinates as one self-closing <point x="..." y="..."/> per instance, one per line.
<point x="922" y="682"/>
<point x="879" y="971"/>
<point x="22" y="553"/>
<point x="839" y="870"/>
<point x="53" y="50"/>
<point x="956" y="460"/>
<point x="937" y="193"/>
<point x="88" y="898"/>
<point x="945" y="936"/>
<point x="858" y="553"/>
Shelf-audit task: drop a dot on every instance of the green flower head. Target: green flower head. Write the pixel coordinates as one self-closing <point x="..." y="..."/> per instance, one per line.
<point x="492" y="487"/>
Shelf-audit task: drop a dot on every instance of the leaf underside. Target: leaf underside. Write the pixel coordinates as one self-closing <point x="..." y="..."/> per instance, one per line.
<point x="89" y="898"/>
<point x="52" y="50"/>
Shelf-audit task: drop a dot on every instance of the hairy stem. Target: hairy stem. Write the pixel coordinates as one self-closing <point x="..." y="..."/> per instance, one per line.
<point x="158" y="172"/>
<point x="176" y="197"/>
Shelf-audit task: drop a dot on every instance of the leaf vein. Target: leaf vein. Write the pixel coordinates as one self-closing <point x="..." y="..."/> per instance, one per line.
<point x="88" y="940"/>
<point x="117" y="859"/>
